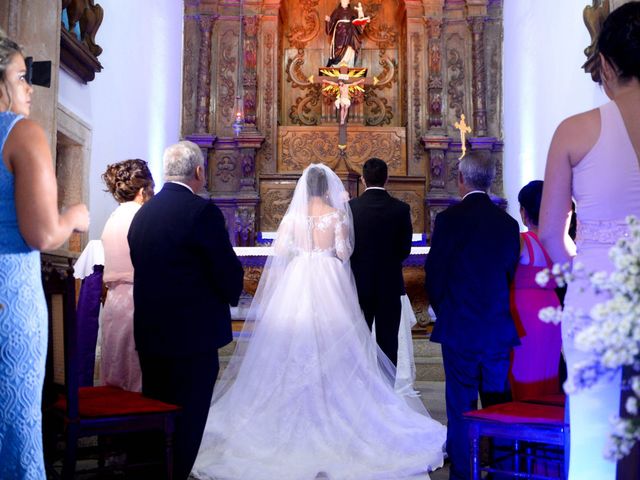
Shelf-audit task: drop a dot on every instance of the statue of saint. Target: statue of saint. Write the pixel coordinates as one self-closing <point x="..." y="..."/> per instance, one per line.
<point x="345" y="33"/>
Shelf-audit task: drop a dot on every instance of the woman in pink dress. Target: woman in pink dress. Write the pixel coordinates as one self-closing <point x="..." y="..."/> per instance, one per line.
<point x="535" y="362"/>
<point x="131" y="184"/>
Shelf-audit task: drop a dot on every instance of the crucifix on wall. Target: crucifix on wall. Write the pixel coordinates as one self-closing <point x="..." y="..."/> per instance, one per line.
<point x="345" y="88"/>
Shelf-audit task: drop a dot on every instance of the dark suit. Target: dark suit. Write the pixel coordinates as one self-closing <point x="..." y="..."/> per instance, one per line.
<point x="474" y="252"/>
<point x="382" y="226"/>
<point x="185" y="276"/>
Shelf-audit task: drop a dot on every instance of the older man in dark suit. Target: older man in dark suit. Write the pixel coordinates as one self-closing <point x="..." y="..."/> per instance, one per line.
<point x="472" y="260"/>
<point x="186" y="275"/>
<point x="382" y="227"/>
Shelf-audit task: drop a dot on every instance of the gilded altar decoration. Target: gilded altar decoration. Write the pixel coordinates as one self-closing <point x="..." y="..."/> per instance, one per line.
<point x="464" y="129"/>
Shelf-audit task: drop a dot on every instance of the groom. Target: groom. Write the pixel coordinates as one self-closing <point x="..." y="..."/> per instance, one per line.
<point x="382" y="227"/>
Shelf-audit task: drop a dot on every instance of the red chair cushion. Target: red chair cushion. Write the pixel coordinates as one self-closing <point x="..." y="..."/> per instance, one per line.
<point x="113" y="401"/>
<point x="557" y="399"/>
<point x="520" y="412"/>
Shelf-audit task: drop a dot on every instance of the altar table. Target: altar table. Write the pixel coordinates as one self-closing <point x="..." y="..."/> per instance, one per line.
<point x="254" y="258"/>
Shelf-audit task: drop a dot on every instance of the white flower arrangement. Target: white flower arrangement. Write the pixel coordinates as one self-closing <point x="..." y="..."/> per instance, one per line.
<point x="610" y="332"/>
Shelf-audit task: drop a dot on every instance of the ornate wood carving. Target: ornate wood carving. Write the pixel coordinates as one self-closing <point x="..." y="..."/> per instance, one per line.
<point x="416" y="48"/>
<point x="379" y="111"/>
<point x="455" y="88"/>
<point x="411" y="192"/>
<point x="493" y="38"/>
<point x="226" y="167"/>
<point x="478" y="90"/>
<point x="190" y="73"/>
<point x="300" y="35"/>
<point x="276" y="195"/>
<point x="203" y="96"/>
<point x="305" y="109"/>
<point x="244" y="226"/>
<point x="79" y="56"/>
<point x="249" y="77"/>
<point x="269" y="100"/>
<point x="247" y="167"/>
<point x="227" y="71"/>
<point x="435" y="73"/>
<point x="384" y="36"/>
<point x="437" y="168"/>
<point x="299" y="146"/>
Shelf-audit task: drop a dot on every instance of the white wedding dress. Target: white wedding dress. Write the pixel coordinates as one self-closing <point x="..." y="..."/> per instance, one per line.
<point x="308" y="394"/>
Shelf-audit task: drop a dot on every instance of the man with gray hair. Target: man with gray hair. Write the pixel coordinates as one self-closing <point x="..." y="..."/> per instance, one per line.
<point x="186" y="275"/>
<point x="475" y="248"/>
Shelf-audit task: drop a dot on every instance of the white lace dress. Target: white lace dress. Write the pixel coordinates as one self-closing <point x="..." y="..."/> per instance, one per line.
<point x="310" y="398"/>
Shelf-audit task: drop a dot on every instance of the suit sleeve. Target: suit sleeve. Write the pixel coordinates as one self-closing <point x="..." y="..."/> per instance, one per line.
<point x="436" y="264"/>
<point x="405" y="233"/>
<point x="514" y="258"/>
<point x="213" y="239"/>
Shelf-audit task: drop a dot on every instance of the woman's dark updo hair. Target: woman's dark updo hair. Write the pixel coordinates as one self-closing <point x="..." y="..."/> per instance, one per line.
<point x="125" y="179"/>
<point x="619" y="40"/>
<point x="529" y="198"/>
<point x="317" y="184"/>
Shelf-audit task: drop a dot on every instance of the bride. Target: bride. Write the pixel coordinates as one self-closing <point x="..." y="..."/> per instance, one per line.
<point x="308" y="393"/>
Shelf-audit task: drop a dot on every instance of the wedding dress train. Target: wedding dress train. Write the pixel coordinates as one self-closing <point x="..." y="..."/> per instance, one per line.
<point x="308" y="393"/>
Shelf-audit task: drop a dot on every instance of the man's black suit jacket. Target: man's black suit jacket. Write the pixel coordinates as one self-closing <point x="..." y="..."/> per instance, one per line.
<point x="382" y="227"/>
<point x="186" y="274"/>
<point x="474" y="252"/>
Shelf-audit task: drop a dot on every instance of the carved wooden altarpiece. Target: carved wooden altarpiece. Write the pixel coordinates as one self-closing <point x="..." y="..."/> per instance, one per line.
<point x="433" y="59"/>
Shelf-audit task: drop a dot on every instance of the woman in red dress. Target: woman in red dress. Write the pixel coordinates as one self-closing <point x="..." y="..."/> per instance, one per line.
<point x="535" y="363"/>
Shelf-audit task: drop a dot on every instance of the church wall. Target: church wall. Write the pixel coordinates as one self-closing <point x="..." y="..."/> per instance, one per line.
<point x="543" y="83"/>
<point x="133" y="105"/>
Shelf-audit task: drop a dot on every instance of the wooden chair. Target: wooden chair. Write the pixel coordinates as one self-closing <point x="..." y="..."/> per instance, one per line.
<point x="75" y="411"/>
<point x="533" y="428"/>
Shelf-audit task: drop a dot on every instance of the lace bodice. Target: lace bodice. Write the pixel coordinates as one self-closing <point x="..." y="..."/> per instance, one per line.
<point x="321" y="235"/>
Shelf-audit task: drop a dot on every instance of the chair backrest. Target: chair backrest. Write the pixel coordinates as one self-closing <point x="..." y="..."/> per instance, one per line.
<point x="62" y="369"/>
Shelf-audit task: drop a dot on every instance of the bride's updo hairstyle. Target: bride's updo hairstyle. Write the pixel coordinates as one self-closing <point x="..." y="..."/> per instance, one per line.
<point x="317" y="185"/>
<point x="619" y="40"/>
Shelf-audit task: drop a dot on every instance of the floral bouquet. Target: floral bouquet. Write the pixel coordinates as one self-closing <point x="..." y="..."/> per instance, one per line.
<point x="610" y="332"/>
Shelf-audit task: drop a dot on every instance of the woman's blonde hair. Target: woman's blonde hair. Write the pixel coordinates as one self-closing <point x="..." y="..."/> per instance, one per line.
<point x="8" y="48"/>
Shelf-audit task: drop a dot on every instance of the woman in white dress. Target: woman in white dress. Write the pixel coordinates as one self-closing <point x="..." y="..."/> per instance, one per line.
<point x="308" y="393"/>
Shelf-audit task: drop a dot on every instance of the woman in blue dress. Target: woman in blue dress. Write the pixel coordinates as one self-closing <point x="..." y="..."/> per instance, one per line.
<point x="29" y="222"/>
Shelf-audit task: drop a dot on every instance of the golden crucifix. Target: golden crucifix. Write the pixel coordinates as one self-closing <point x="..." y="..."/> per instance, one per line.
<point x="464" y="129"/>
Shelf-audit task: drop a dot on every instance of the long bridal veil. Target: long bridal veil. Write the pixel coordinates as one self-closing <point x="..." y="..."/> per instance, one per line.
<point x="307" y="390"/>
<point x="297" y="235"/>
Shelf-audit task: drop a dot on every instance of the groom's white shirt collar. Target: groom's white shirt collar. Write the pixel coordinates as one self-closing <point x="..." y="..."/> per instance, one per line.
<point x="374" y="188"/>
<point x="472" y="192"/>
<point x="183" y="184"/>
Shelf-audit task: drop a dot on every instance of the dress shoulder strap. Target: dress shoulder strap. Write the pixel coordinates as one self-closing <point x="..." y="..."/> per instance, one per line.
<point x="527" y="242"/>
<point x="547" y="258"/>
